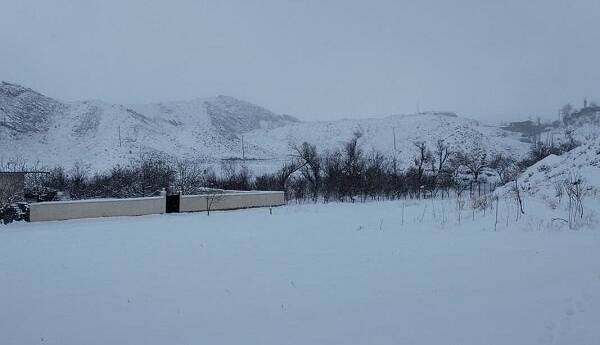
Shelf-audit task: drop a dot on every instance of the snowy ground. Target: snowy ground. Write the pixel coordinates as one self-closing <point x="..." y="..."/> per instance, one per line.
<point x="309" y="274"/>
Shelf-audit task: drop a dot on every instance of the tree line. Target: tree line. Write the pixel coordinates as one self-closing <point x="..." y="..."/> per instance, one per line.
<point x="346" y="174"/>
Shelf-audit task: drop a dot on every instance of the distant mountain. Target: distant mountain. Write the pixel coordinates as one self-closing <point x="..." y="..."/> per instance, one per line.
<point x="26" y="111"/>
<point x="39" y="128"/>
<point x="35" y="127"/>
<point x="401" y="131"/>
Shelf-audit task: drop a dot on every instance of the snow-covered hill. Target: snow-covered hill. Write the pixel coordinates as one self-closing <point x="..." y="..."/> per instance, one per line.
<point x="543" y="179"/>
<point x="378" y="134"/>
<point x="24" y="110"/>
<point x="36" y="128"/>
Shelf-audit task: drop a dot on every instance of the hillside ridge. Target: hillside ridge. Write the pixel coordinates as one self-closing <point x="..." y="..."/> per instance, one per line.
<point x="38" y="128"/>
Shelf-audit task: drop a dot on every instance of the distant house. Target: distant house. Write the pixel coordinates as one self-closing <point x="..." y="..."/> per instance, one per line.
<point x="530" y="131"/>
<point x="589" y="114"/>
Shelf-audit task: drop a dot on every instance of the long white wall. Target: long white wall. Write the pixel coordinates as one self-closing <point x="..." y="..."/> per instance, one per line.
<point x="62" y="210"/>
<point x="230" y="201"/>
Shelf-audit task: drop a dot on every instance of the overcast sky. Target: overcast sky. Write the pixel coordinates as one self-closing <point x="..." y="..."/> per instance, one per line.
<point x="313" y="59"/>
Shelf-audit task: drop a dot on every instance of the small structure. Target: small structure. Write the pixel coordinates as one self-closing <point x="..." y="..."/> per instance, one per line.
<point x="12" y="185"/>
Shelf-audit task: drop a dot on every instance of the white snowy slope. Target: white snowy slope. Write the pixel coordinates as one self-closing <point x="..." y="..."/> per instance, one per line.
<point x="378" y="134"/>
<point x="37" y="128"/>
<point x="378" y="273"/>
<point x="541" y="179"/>
<point x="543" y="192"/>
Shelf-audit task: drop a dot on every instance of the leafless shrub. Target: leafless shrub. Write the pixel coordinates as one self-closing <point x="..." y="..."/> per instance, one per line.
<point x="189" y="175"/>
<point x="516" y="191"/>
<point x="574" y="187"/>
<point x="558" y="190"/>
<point x="213" y="196"/>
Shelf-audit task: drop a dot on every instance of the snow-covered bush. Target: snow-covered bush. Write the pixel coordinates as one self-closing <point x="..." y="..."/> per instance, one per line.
<point x="14" y="212"/>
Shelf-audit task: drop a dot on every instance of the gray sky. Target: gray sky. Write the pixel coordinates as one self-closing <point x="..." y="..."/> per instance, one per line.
<point x="489" y="60"/>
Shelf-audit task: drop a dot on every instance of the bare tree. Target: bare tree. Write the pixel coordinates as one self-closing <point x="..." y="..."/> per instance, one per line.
<point x="78" y="178"/>
<point x="213" y="196"/>
<point x="442" y="153"/>
<point x="281" y="177"/>
<point x="311" y="167"/>
<point x="353" y="166"/>
<point x="505" y="167"/>
<point x="233" y="176"/>
<point x="422" y="158"/>
<point x="333" y="175"/>
<point x="475" y="161"/>
<point x="375" y="175"/>
<point x="441" y="157"/>
<point x="188" y="175"/>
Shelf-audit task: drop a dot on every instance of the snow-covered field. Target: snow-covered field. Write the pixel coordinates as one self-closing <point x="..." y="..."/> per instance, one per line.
<point x="398" y="272"/>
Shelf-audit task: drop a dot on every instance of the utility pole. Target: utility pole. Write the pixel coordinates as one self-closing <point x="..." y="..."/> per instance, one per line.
<point x="243" y="150"/>
<point x="119" y="136"/>
<point x="394" y="129"/>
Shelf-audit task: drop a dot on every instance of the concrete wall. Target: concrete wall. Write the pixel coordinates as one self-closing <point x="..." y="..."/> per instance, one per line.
<point x="61" y="210"/>
<point x="230" y="200"/>
<point x="192" y="203"/>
